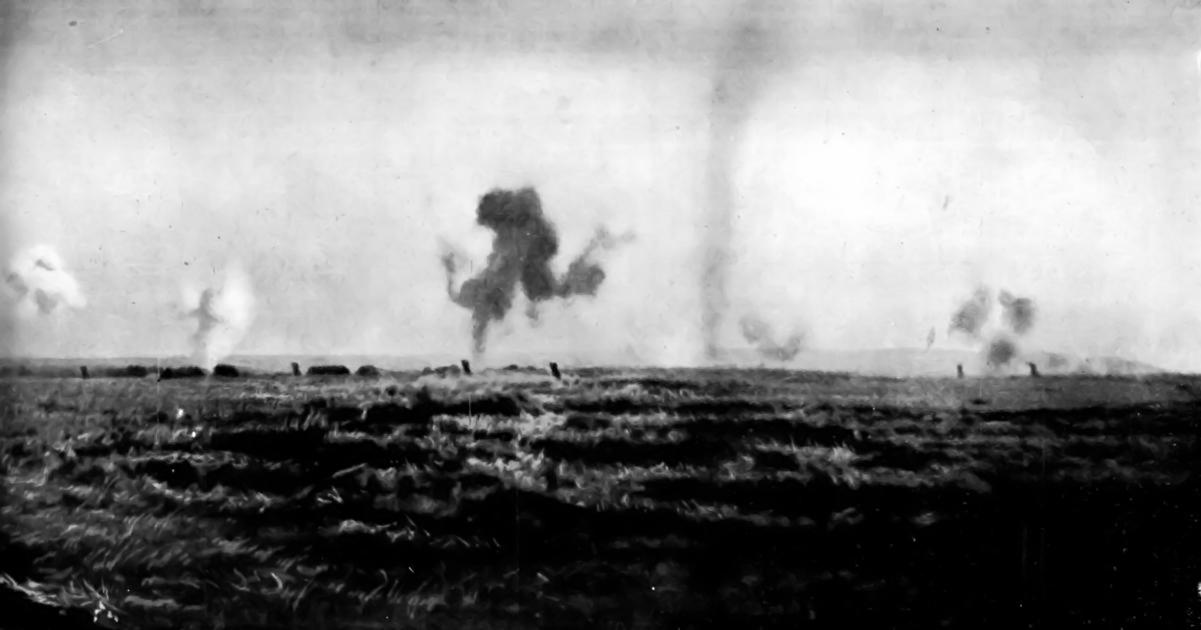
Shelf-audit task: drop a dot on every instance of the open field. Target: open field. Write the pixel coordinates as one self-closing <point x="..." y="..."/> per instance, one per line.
<point x="617" y="498"/>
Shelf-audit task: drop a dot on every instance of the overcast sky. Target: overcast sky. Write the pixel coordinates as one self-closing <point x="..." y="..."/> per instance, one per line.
<point x="891" y="157"/>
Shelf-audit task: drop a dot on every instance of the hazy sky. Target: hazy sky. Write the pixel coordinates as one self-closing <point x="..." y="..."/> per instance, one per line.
<point x="892" y="156"/>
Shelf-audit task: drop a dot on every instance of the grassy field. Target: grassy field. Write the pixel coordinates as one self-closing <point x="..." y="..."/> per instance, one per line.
<point x="616" y="499"/>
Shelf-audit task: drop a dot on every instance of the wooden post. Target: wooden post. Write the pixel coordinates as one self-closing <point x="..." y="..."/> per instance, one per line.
<point x="466" y="367"/>
<point x="1033" y="370"/>
<point x="959" y="369"/>
<point x="295" y="369"/>
<point x="83" y="371"/>
<point x="554" y="370"/>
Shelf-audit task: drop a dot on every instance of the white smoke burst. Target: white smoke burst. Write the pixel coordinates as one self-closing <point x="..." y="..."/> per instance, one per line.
<point x="41" y="283"/>
<point x="224" y="312"/>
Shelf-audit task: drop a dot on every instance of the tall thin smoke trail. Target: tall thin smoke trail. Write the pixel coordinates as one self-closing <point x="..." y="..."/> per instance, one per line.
<point x="736" y="85"/>
<point x="524" y="244"/>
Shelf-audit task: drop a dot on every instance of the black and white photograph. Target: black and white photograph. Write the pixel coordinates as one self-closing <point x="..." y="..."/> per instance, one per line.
<point x="475" y="314"/>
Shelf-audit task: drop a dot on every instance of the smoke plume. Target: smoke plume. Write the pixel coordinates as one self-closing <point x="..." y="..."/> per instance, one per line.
<point x="41" y="282"/>
<point x="522" y="248"/>
<point x="1018" y="312"/>
<point x="584" y="276"/>
<point x="1000" y="351"/>
<point x="736" y="86"/>
<point x="223" y="314"/>
<point x="759" y="334"/>
<point x="969" y="319"/>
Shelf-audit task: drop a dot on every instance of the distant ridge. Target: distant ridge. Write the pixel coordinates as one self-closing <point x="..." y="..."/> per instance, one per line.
<point x="890" y="362"/>
<point x="917" y="362"/>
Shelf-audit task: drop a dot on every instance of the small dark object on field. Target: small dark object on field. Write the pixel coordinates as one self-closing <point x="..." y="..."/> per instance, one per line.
<point x="978" y="401"/>
<point x="466" y="367"/>
<point x="959" y="369"/>
<point x="392" y="390"/>
<point x="187" y="371"/>
<point x="329" y="370"/>
<point x="1033" y="370"/>
<point x="554" y="370"/>
<point x="512" y="367"/>
<point x="225" y="369"/>
<point x="295" y="369"/>
<point x="83" y="371"/>
<point x="367" y="370"/>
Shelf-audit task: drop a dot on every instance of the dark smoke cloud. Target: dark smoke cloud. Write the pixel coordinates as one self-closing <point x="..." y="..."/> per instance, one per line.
<point x="971" y="316"/>
<point x="761" y="336"/>
<point x="736" y="85"/>
<point x="584" y="275"/>
<point x="1000" y="351"/>
<point x="1017" y="315"/>
<point x="1018" y="312"/>
<point x="524" y="244"/>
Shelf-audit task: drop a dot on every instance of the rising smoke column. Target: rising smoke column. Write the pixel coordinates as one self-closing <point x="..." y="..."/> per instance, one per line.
<point x="41" y="282"/>
<point x="522" y="248"/>
<point x="760" y="335"/>
<point x="223" y="315"/>
<point x="736" y="85"/>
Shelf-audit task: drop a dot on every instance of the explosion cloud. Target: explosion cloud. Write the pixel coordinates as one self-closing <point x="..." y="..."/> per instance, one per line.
<point x="972" y="314"/>
<point x="522" y="248"/>
<point x="224" y="314"/>
<point x="41" y="282"/>
<point x="584" y="276"/>
<point x="973" y="318"/>
<point x="1000" y="351"/>
<point x="759" y="334"/>
<point x="1018" y="312"/>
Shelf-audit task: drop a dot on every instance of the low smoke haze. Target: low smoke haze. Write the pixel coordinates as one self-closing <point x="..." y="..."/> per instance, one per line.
<point x="760" y="335"/>
<point x="859" y="167"/>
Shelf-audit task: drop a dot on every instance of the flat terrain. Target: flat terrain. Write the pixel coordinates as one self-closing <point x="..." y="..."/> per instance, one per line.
<point x="616" y="498"/>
